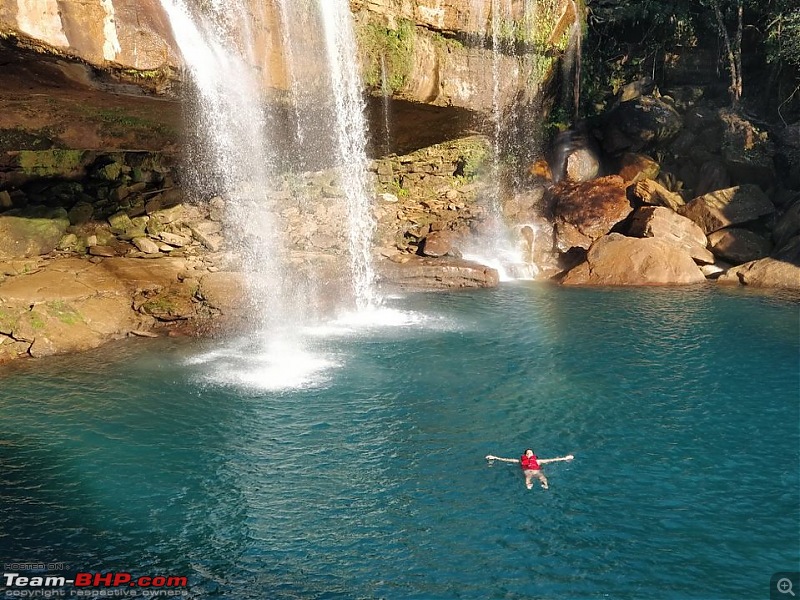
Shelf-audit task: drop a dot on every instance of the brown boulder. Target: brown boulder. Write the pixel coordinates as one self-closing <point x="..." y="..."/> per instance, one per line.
<point x="437" y="244"/>
<point x="713" y="176"/>
<point x="224" y="291"/>
<point x="727" y="207"/>
<point x="738" y="246"/>
<point x="32" y="231"/>
<point x="788" y="224"/>
<point x="662" y="223"/>
<point x="781" y="271"/>
<point x="584" y="212"/>
<point x="619" y="260"/>
<point x="653" y="193"/>
<point x="581" y="165"/>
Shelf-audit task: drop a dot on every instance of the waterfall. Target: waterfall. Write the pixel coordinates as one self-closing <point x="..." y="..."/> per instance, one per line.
<point x="351" y="143"/>
<point x="386" y="93"/>
<point x="242" y="146"/>
<point x="233" y="155"/>
<point x="498" y="246"/>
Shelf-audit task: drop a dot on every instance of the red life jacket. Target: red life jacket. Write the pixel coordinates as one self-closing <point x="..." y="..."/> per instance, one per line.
<point x="529" y="463"/>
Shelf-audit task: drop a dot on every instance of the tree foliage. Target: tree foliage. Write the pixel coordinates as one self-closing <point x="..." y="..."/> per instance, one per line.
<point x="627" y="39"/>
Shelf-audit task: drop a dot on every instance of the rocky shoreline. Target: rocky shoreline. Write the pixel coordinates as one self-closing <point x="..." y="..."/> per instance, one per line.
<point x="98" y="246"/>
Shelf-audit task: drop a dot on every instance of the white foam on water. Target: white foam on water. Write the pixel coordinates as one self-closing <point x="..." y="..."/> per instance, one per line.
<point x="274" y="366"/>
<point x="285" y="362"/>
<point x="380" y="318"/>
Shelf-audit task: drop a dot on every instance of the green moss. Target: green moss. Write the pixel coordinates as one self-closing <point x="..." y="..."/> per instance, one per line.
<point x="392" y="48"/>
<point x="117" y="122"/>
<point x="49" y="163"/>
<point x="146" y="74"/>
<point x="64" y="312"/>
<point x="470" y="160"/>
<point x="15" y="138"/>
<point x="159" y="305"/>
<point x="37" y="320"/>
<point x="8" y="321"/>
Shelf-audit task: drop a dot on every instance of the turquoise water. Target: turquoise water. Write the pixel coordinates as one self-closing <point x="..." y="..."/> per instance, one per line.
<point x="367" y="478"/>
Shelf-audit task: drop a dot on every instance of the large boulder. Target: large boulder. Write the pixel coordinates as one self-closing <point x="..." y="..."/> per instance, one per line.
<point x="584" y="212"/>
<point x="748" y="152"/>
<point x="639" y="124"/>
<point x="574" y="156"/>
<point x="662" y="223"/>
<point x="31" y="231"/>
<point x="619" y="260"/>
<point x="727" y="207"/>
<point x="738" y="246"/>
<point x="781" y="271"/>
<point x="70" y="305"/>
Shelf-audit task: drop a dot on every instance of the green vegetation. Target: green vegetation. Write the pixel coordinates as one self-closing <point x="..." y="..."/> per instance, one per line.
<point x="37" y="320"/>
<point x="117" y="122"/>
<point x="470" y="160"/>
<point x="8" y="322"/>
<point x="15" y="138"/>
<point x="49" y="163"/>
<point x="64" y="312"/>
<point x="389" y="48"/>
<point x="758" y="42"/>
<point x="160" y="305"/>
<point x="394" y="187"/>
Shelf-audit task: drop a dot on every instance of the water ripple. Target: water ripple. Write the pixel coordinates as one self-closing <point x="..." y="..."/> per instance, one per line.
<point x="369" y="482"/>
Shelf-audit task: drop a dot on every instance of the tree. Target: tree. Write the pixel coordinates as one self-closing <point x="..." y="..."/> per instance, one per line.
<point x="733" y="48"/>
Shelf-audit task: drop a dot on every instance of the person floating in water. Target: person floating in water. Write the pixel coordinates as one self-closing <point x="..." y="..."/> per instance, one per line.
<point x="531" y="466"/>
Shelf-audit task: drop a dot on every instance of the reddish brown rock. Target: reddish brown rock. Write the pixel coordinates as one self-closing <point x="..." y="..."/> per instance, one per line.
<point x="430" y="273"/>
<point x="619" y="260"/>
<point x="781" y="271"/>
<point x="437" y="244"/>
<point x="584" y="212"/>
<point x="635" y="167"/>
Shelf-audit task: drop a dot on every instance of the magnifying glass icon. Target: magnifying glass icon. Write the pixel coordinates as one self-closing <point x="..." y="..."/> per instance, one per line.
<point x="784" y="586"/>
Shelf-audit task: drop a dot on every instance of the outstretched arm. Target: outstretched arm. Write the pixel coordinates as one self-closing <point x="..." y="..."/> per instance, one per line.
<point x="544" y="461"/>
<point x="508" y="460"/>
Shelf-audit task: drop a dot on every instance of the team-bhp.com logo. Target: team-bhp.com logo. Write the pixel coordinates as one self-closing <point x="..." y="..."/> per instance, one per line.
<point x="92" y="584"/>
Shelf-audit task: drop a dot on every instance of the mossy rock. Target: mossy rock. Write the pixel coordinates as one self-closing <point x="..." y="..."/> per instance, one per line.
<point x="64" y="312"/>
<point x="120" y="223"/>
<point x="51" y="163"/>
<point x="31" y="232"/>
<point x="389" y="50"/>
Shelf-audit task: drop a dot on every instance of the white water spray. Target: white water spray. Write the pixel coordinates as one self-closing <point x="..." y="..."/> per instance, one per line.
<point x="234" y="156"/>
<point x="351" y="144"/>
<point x="386" y="93"/>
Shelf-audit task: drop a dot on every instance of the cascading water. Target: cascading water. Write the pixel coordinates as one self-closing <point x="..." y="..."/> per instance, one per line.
<point x="497" y="249"/>
<point x="351" y="144"/>
<point x="233" y="155"/>
<point x="245" y="143"/>
<point x="386" y="93"/>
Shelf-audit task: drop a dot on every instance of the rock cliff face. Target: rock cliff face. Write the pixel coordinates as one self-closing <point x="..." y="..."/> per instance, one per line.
<point x="437" y="51"/>
<point x="131" y="33"/>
